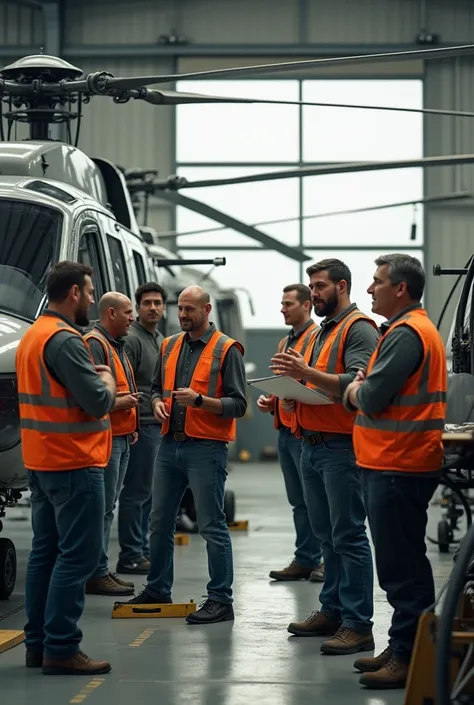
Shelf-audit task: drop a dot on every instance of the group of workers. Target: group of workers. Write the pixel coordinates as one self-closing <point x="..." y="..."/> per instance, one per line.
<point x="108" y="415"/>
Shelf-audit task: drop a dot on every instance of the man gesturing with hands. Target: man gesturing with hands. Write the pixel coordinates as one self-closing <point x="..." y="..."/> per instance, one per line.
<point x="197" y="395"/>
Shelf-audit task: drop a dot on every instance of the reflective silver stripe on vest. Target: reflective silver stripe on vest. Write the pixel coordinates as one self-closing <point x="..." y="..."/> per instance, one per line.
<point x="394" y="426"/>
<point x="98" y="335"/>
<point x="216" y="366"/>
<point x="332" y="362"/>
<point x="423" y="396"/>
<point x="166" y="393"/>
<point x="304" y="347"/>
<point x="92" y="426"/>
<point x="45" y="398"/>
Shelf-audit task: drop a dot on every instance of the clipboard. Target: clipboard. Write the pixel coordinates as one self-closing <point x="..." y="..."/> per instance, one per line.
<point x="288" y="388"/>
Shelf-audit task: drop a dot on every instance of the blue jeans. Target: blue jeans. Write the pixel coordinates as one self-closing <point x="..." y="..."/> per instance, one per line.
<point x="114" y="474"/>
<point x="337" y="513"/>
<point x="67" y="509"/>
<point x="308" y="551"/>
<point x="135" y="497"/>
<point x="202" y="465"/>
<point x="397" y="509"/>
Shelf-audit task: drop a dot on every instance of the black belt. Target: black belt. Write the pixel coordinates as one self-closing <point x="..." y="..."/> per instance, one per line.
<point x="180" y="436"/>
<point x="318" y="437"/>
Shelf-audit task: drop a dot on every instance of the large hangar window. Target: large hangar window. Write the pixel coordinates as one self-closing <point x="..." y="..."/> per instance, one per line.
<point x="221" y="141"/>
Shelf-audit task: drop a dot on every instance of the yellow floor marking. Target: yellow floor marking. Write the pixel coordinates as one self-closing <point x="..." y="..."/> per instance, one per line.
<point x="10" y="638"/>
<point x="143" y="637"/>
<point x="87" y="690"/>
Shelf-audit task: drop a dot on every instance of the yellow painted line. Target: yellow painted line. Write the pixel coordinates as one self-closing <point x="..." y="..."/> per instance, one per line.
<point x="87" y="690"/>
<point x="143" y="637"/>
<point x="10" y="638"/>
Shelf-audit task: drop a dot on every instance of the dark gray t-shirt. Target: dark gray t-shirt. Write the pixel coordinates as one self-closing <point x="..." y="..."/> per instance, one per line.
<point x="143" y="350"/>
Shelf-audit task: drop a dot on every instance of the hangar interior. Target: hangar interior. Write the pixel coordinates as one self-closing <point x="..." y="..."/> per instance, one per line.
<point x="227" y="663"/>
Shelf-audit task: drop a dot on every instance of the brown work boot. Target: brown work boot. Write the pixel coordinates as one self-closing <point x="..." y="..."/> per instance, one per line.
<point x="393" y="674"/>
<point x="317" y="575"/>
<point x="368" y="665"/>
<point x="293" y="572"/>
<point x="124" y="583"/>
<point x="316" y="624"/>
<point x="348" y="641"/>
<point x="107" y="585"/>
<point x="78" y="665"/>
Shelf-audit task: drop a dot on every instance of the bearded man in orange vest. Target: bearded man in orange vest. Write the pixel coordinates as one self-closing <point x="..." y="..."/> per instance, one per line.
<point x="66" y="443"/>
<point x="107" y="346"/>
<point x="198" y="392"/>
<point x="401" y="403"/>
<point x="331" y="478"/>
<point x="296" y="310"/>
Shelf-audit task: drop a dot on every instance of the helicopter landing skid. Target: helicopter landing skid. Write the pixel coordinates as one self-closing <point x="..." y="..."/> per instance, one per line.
<point x="8" y="562"/>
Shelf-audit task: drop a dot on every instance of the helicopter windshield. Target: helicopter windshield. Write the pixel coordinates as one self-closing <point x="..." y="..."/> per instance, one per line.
<point x="18" y="294"/>
<point x="29" y="239"/>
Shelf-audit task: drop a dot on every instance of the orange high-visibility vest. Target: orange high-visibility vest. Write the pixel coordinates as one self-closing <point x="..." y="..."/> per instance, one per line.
<point x="282" y="417"/>
<point x="123" y="421"/>
<point x="206" y="380"/>
<point x="407" y="435"/>
<point x="334" y="418"/>
<point x="56" y="434"/>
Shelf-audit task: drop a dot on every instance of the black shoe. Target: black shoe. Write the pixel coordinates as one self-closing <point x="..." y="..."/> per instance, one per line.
<point x="140" y="567"/>
<point x="211" y="612"/>
<point x="33" y="659"/>
<point x="144" y="598"/>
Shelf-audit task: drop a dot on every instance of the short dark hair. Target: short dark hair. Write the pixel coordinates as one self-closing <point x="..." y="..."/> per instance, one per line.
<point x="147" y="289"/>
<point x="336" y="269"/>
<point x="405" y="268"/>
<point x="303" y="292"/>
<point x="64" y="275"/>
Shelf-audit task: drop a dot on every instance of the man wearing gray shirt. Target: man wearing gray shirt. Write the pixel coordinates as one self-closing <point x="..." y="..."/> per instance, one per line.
<point x="198" y="393"/>
<point x="142" y="346"/>
<point x="331" y="478"/>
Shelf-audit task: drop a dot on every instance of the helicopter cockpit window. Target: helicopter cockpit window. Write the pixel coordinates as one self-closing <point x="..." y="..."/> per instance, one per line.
<point x="118" y="265"/>
<point x="30" y="236"/>
<point x="89" y="254"/>
<point x="140" y="267"/>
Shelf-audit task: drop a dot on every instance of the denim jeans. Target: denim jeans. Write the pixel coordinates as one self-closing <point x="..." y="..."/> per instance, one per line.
<point x="114" y="474"/>
<point x="134" y="501"/>
<point x="337" y="514"/>
<point x="202" y="465"/>
<point x="397" y="508"/>
<point x="67" y="509"/>
<point x="308" y="551"/>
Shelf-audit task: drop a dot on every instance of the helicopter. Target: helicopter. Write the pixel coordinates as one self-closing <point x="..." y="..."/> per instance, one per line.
<point x="58" y="203"/>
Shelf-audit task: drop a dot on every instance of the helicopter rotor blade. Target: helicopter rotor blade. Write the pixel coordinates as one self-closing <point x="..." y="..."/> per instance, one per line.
<point x="326" y="170"/>
<point x="349" y="211"/>
<point x="174" y="98"/>
<point x="228" y="221"/>
<point x="385" y="57"/>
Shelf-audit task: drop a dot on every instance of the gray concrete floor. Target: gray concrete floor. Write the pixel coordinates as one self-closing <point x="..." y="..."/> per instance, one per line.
<point x="251" y="660"/>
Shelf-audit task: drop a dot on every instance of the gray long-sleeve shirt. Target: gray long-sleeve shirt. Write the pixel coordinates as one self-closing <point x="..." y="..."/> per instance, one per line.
<point x="68" y="361"/>
<point x="234" y="401"/>
<point x="360" y="343"/>
<point x="400" y="355"/>
<point x="143" y="350"/>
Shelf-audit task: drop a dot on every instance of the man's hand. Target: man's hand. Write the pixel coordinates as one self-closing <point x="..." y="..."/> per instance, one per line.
<point x="159" y="411"/>
<point x="102" y="368"/>
<point x="185" y="396"/>
<point x="288" y="404"/>
<point x="290" y="363"/>
<point x="134" y="438"/>
<point x="264" y="403"/>
<point x="351" y="391"/>
<point x="125" y="402"/>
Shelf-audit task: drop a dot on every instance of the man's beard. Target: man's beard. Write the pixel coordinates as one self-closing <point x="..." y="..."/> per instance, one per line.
<point x="329" y="307"/>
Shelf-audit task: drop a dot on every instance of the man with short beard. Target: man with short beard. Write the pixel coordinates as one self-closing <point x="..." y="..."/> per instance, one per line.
<point x="198" y="392"/>
<point x="66" y="443"/>
<point x="142" y="346"/>
<point x="306" y="564"/>
<point x="332" y="480"/>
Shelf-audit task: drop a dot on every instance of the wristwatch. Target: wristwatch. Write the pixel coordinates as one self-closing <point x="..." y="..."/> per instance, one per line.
<point x="198" y="401"/>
